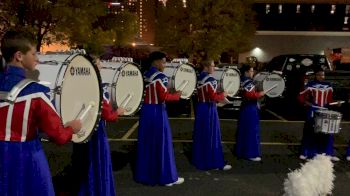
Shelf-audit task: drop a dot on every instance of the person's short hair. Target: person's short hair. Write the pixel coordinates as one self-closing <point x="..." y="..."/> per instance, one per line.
<point x="245" y="68"/>
<point x="13" y="42"/>
<point x="157" y="55"/>
<point x="206" y="63"/>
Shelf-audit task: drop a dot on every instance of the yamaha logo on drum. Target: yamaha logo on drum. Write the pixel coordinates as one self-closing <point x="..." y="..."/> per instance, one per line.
<point x="80" y="71"/>
<point x="130" y="73"/>
<point x="183" y="69"/>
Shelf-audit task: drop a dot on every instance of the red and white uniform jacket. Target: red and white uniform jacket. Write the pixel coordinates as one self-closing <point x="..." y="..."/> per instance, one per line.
<point x="107" y="113"/>
<point x="206" y="89"/>
<point x="156" y="91"/>
<point x="31" y="112"/>
<point x="249" y="92"/>
<point x="319" y="93"/>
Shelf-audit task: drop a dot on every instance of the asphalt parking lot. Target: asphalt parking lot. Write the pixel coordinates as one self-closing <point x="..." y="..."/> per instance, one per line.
<point x="280" y="139"/>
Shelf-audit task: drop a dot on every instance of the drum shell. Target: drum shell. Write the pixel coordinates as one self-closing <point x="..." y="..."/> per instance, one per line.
<point x="225" y="76"/>
<point x="327" y="121"/>
<point x="265" y="80"/>
<point x="177" y="73"/>
<point x="74" y="82"/>
<point x="123" y="79"/>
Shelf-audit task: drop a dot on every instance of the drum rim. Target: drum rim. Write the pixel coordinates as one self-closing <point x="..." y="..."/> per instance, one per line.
<point x="267" y="75"/>
<point x="195" y="78"/>
<point x="113" y="98"/>
<point x="96" y="124"/>
<point x="222" y="79"/>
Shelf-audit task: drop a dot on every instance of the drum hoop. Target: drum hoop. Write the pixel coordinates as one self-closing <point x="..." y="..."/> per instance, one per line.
<point x="222" y="80"/>
<point x="100" y="93"/>
<point x="195" y="78"/>
<point x="114" y="84"/>
<point x="222" y="76"/>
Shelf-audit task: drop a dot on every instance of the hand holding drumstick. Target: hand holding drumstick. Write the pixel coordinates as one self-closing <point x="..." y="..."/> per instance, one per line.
<point x="75" y="124"/>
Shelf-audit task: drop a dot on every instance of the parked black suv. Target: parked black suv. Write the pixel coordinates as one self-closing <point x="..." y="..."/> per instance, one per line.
<point x="296" y="68"/>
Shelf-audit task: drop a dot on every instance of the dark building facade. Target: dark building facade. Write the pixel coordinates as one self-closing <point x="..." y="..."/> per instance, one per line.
<point x="298" y="16"/>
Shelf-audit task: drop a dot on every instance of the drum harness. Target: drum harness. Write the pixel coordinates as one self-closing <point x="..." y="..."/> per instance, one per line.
<point x="11" y="96"/>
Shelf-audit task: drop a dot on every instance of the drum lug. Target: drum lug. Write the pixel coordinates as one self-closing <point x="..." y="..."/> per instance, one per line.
<point x="58" y="90"/>
<point x="66" y="63"/>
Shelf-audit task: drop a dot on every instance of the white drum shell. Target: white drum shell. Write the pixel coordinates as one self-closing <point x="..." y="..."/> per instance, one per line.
<point x="327" y="121"/>
<point x="228" y="80"/>
<point x="75" y="83"/>
<point x="124" y="79"/>
<point x="178" y="73"/>
<point x="265" y="80"/>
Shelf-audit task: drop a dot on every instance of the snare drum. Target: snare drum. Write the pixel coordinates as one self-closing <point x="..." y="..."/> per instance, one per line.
<point x="75" y="88"/>
<point x="182" y="77"/>
<point x="125" y="84"/>
<point x="264" y="81"/>
<point x="327" y="121"/>
<point x="228" y="80"/>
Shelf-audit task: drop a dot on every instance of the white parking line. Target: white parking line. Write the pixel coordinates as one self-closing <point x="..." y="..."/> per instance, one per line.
<point x="276" y="115"/>
<point x="229" y="142"/>
<point x="130" y="131"/>
<point x="281" y="119"/>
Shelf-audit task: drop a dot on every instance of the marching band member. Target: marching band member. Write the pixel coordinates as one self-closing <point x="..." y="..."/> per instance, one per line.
<point x="92" y="163"/>
<point x="207" y="148"/>
<point x="317" y="93"/>
<point x="155" y="162"/>
<point x="24" y="168"/>
<point x="248" y="130"/>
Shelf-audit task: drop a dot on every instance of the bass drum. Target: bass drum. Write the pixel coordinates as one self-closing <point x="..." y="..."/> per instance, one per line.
<point x="228" y="80"/>
<point x="265" y="81"/>
<point x="124" y="83"/>
<point x="75" y="89"/>
<point x="182" y="77"/>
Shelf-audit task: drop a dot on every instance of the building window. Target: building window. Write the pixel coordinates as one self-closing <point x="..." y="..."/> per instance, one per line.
<point x="333" y="7"/>
<point x="313" y="8"/>
<point x="267" y="9"/>
<point x="298" y="9"/>
<point x="280" y="9"/>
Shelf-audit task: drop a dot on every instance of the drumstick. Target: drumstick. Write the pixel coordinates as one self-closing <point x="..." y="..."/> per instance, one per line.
<point x="336" y="102"/>
<point x="229" y="86"/>
<point x="318" y="107"/>
<point x="126" y="100"/>
<point x="182" y="85"/>
<point x="86" y="110"/>
<point x="269" y="89"/>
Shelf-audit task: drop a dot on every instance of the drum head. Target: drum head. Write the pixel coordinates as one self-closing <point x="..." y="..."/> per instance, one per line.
<point x="231" y="82"/>
<point x="128" y="91"/>
<point x="185" y="74"/>
<point x="81" y="88"/>
<point x="271" y="80"/>
<point x="264" y="81"/>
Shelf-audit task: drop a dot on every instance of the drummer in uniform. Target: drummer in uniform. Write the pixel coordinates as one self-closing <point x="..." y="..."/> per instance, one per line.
<point x="92" y="164"/>
<point x="24" y="169"/>
<point x="318" y="93"/>
<point x="248" y="128"/>
<point x="155" y="161"/>
<point x="207" y="148"/>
